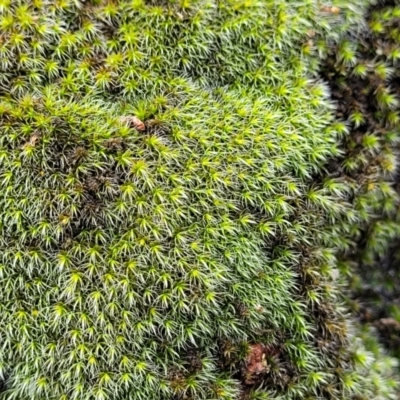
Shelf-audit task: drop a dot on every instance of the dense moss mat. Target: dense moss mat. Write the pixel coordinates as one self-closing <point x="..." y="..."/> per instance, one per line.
<point x="163" y="235"/>
<point x="364" y="73"/>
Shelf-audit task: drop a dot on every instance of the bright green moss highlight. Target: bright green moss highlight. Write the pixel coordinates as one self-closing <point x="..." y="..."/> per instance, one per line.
<point x="123" y="250"/>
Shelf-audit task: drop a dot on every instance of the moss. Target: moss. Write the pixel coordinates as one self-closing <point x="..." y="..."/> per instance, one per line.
<point x="366" y="94"/>
<point x="160" y="215"/>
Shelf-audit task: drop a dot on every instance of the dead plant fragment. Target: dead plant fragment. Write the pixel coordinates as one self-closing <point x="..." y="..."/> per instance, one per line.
<point x="133" y="122"/>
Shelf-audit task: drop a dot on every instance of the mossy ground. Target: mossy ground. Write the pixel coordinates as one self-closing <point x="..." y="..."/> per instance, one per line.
<point x="160" y="214"/>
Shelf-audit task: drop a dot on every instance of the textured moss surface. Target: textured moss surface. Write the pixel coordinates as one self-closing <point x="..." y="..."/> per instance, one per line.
<point x="364" y="73"/>
<point x="159" y="212"/>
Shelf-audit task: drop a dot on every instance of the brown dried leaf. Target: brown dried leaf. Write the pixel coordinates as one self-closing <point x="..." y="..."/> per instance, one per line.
<point x="331" y="9"/>
<point x="255" y="363"/>
<point x="32" y="140"/>
<point x="134" y="122"/>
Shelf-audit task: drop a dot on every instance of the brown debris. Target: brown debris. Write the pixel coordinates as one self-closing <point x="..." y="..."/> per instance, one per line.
<point x="389" y="323"/>
<point x="311" y="33"/>
<point x="78" y="154"/>
<point x="133" y="122"/>
<point x="114" y="144"/>
<point x="330" y="9"/>
<point x="32" y="140"/>
<point x="93" y="184"/>
<point x="259" y="308"/>
<point x="256" y="362"/>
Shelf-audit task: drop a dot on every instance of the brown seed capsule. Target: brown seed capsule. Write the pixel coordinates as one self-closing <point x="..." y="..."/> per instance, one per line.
<point x="134" y="122"/>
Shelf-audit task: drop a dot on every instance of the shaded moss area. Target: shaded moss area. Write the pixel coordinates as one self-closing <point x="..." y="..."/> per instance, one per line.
<point x="364" y="76"/>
